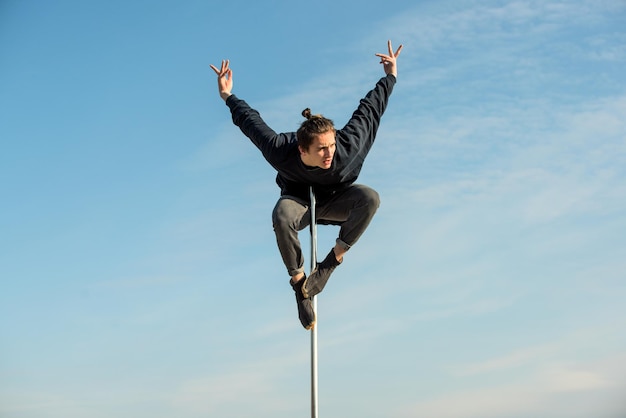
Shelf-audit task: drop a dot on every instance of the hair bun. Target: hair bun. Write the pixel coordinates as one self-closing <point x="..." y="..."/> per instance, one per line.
<point x="306" y="113"/>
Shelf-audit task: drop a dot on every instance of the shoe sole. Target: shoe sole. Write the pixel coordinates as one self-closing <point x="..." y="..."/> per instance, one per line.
<point x="312" y="324"/>
<point x="321" y="284"/>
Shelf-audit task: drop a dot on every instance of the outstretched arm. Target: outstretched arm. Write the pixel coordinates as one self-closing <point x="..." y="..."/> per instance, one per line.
<point x="360" y="131"/>
<point x="389" y="61"/>
<point x="249" y="120"/>
<point x="224" y="79"/>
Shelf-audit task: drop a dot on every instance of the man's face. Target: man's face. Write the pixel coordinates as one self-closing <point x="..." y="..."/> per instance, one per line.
<point x="321" y="151"/>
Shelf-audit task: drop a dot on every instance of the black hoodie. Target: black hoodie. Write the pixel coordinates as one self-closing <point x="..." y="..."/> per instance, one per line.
<point x="353" y="142"/>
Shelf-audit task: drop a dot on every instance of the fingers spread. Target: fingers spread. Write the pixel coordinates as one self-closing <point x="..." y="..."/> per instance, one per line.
<point x="223" y="70"/>
<point x="392" y="55"/>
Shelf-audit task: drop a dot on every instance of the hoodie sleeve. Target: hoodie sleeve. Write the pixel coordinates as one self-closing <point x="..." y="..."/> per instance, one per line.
<point x="360" y="131"/>
<point x="271" y="144"/>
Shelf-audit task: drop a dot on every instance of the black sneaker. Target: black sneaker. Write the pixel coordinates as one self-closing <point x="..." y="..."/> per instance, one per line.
<point x="305" y="305"/>
<point x="318" y="277"/>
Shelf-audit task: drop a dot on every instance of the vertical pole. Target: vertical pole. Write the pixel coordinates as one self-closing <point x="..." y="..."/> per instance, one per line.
<point x="313" y="227"/>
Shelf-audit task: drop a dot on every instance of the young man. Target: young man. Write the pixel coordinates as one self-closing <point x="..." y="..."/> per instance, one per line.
<point x="330" y="160"/>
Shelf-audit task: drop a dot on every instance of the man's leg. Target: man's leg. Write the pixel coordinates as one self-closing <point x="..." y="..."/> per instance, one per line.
<point x="352" y="209"/>
<point x="291" y="215"/>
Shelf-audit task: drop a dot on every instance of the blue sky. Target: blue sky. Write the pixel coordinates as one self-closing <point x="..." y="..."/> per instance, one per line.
<point x="139" y="271"/>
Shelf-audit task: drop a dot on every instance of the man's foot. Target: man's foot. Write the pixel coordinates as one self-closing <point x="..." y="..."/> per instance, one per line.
<point x="318" y="277"/>
<point x="305" y="305"/>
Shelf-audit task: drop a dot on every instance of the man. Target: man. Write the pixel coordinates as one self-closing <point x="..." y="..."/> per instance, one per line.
<point x="330" y="160"/>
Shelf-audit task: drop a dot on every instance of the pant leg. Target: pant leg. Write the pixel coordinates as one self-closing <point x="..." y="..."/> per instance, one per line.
<point x="289" y="216"/>
<point x="352" y="209"/>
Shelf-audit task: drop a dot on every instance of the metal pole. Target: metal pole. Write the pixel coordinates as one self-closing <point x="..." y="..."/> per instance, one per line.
<point x="313" y="227"/>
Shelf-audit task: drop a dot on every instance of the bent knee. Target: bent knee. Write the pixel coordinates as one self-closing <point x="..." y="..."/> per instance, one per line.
<point x="287" y="213"/>
<point x="374" y="198"/>
<point x="370" y="198"/>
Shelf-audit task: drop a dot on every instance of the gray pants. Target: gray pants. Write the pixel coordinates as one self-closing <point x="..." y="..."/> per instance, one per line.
<point x="352" y="209"/>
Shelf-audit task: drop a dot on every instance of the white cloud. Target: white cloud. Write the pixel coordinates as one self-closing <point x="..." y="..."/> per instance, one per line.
<point x="517" y="358"/>
<point x="537" y="379"/>
<point x="253" y="386"/>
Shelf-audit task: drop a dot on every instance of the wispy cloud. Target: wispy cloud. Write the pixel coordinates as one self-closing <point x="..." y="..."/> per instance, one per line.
<point x="579" y="391"/>
<point x="566" y="376"/>
<point x="250" y="386"/>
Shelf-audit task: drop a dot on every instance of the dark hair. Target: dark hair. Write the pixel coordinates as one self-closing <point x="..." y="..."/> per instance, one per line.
<point x="313" y="126"/>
